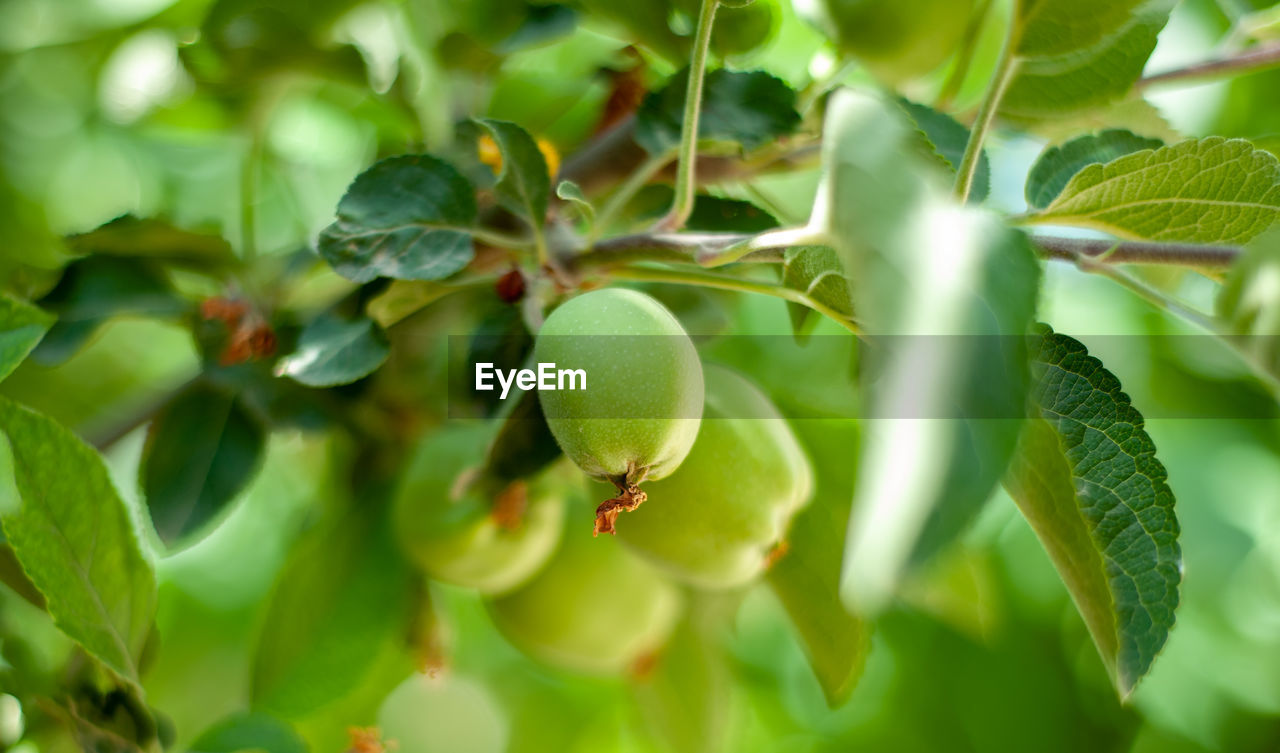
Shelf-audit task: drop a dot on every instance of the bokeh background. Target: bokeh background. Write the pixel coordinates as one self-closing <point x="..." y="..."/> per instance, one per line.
<point x="248" y="120"/>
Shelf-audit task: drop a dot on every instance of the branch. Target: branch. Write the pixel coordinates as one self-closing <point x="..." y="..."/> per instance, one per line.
<point x="1133" y="252"/>
<point x="686" y="175"/>
<point x="1251" y="61"/>
<point x="1006" y="69"/>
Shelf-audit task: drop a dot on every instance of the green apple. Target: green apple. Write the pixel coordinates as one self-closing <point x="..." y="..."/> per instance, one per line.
<point x="442" y="714"/>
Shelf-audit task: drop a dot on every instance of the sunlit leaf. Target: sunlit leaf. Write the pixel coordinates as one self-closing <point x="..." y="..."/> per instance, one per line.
<point x="1054" y="84"/>
<point x="1057" y="164"/>
<point x="406" y="217"/>
<point x="749" y="108"/>
<point x="572" y="192"/>
<point x="202" y="449"/>
<point x="75" y="538"/>
<point x="947" y="293"/>
<point x="806" y="578"/>
<point x="333" y="351"/>
<point x="21" y="327"/>
<point x="1054" y="27"/>
<point x="1210" y="190"/>
<point x="1250" y="301"/>
<point x="1087" y="479"/>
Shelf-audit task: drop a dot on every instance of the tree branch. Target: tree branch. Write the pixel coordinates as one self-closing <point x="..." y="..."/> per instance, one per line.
<point x="1133" y="252"/>
<point x="1250" y="61"/>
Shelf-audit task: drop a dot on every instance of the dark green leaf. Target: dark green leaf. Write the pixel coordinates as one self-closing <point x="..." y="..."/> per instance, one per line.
<point x="406" y="217"/>
<point x="21" y="327"/>
<point x="1087" y="479"/>
<point x="75" y="538"/>
<point x="154" y="239"/>
<point x="202" y="449"/>
<point x="953" y="300"/>
<point x="340" y="599"/>
<point x="249" y="731"/>
<point x="818" y="271"/>
<point x="714" y="214"/>
<point x="96" y="289"/>
<point x="524" y="444"/>
<point x="543" y="24"/>
<point x="807" y="578"/>
<point x="749" y="108"/>
<point x="333" y="351"/>
<point x="1057" y="164"/>
<point x="501" y="339"/>
<point x="523" y="183"/>
<point x="945" y="139"/>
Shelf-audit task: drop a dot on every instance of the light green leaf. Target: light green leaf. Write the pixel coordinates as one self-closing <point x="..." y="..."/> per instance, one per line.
<point x="406" y="217"/>
<point x="202" y="449"/>
<point x="333" y="351"/>
<point x="1250" y="302"/>
<point x="570" y="191"/>
<point x="1055" y="85"/>
<point x="249" y="731"/>
<point x="749" y="108"/>
<point x="343" y="596"/>
<point x="818" y="271"/>
<point x="1211" y="190"/>
<point x="946" y="139"/>
<point x="948" y="293"/>
<point x="807" y="577"/>
<point x="21" y="327"/>
<point x="1057" y="164"/>
<point x="75" y="538"/>
<point x="1086" y="477"/>
<point x="524" y="183"/>
<point x="1053" y="27"/>
<point x="403" y="298"/>
<point x="684" y="701"/>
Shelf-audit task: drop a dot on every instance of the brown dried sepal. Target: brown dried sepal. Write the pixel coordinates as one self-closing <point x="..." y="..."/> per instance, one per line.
<point x="510" y="504"/>
<point x="778" y="551"/>
<point x="630" y="496"/>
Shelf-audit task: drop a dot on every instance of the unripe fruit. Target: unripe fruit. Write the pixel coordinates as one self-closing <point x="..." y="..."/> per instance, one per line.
<point x="595" y="608"/>
<point x="639" y="414"/>
<point x="716" y="521"/>
<point x="447" y="714"/>
<point x="469" y="533"/>
<point x="897" y="39"/>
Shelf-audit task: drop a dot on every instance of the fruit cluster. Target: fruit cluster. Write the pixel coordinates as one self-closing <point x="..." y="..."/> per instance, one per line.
<point x="719" y="472"/>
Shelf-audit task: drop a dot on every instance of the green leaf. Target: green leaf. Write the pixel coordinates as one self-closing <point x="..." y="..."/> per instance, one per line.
<point x="249" y="731"/>
<point x="543" y="24"/>
<point x="403" y="298"/>
<point x="1054" y="85"/>
<point x="807" y="578"/>
<point x="572" y="192"/>
<point x="202" y="449"/>
<point x="524" y="444"/>
<point x="948" y="293"/>
<point x="684" y="701"/>
<point x="945" y="139"/>
<point x="524" y="183"/>
<point x="333" y="351"/>
<point x="97" y="288"/>
<point x="75" y="538"/>
<point x="716" y="214"/>
<point x="21" y="327"/>
<point x="1057" y="164"/>
<point x="1211" y="190"/>
<point x="340" y="599"/>
<point x="1250" y="301"/>
<point x="406" y="217"/>
<point x="128" y="235"/>
<point x="1087" y="479"/>
<point x="818" y="271"/>
<point x="1054" y="27"/>
<point x="748" y="108"/>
